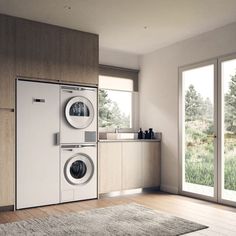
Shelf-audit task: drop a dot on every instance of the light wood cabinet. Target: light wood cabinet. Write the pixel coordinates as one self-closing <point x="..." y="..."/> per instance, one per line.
<point x="151" y="164"/>
<point x="37" y="50"/>
<point x="79" y="57"/>
<point x="7" y="61"/>
<point x="7" y="166"/>
<point x="110" y="167"/>
<point x="131" y="165"/>
<point x="128" y="165"/>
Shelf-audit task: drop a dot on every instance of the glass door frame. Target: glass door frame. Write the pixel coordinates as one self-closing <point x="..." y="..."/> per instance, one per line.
<point x="216" y="137"/>
<point x="221" y="131"/>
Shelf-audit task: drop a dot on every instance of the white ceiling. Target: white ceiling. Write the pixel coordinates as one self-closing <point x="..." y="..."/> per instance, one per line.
<point x="136" y="26"/>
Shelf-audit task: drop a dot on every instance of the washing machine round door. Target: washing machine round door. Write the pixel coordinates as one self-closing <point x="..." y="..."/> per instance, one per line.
<point x="79" y="169"/>
<point x="79" y="112"/>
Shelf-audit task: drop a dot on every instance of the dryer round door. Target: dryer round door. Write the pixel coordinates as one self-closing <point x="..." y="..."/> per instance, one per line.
<point x="79" y="169"/>
<point x="79" y="112"/>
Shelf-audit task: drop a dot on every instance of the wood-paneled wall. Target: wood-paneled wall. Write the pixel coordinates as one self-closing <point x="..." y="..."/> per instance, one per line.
<point x="37" y="51"/>
<point x="7" y="61"/>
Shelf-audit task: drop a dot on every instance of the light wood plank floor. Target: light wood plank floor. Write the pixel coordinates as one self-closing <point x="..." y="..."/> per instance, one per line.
<point x="220" y="219"/>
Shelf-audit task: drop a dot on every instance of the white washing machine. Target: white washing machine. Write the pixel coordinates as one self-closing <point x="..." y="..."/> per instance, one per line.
<point x="78" y="114"/>
<point x="78" y="172"/>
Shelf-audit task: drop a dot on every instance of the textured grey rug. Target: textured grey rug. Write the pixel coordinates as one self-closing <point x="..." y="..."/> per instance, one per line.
<point x="131" y="219"/>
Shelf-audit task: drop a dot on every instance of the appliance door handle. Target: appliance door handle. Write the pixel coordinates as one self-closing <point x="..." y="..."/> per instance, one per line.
<point x="88" y="145"/>
<point x="77" y="89"/>
<point x="67" y="147"/>
<point x="58" y="139"/>
<point x="68" y="150"/>
<point x="88" y="89"/>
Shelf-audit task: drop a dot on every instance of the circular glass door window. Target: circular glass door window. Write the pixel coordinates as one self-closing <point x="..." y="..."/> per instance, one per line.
<point x="79" y="169"/>
<point x="79" y="112"/>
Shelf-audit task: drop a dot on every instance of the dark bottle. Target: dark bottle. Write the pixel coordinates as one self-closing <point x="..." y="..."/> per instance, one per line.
<point x="151" y="133"/>
<point x="140" y="134"/>
<point x="146" y="134"/>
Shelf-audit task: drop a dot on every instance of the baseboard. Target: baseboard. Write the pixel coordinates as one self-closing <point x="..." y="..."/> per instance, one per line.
<point x="7" y="208"/>
<point x="169" y="189"/>
<point x="128" y="192"/>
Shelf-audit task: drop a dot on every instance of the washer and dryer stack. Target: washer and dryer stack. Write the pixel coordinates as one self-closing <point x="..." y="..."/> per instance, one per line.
<point x="56" y="143"/>
<point x="78" y="143"/>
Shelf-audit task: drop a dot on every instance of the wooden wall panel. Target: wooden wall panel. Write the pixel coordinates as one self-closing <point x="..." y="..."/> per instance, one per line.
<point x="79" y="57"/>
<point x="7" y="157"/>
<point x="37" y="50"/>
<point x="7" y="61"/>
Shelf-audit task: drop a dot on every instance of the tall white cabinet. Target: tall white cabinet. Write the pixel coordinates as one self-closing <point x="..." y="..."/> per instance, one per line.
<point x="37" y="151"/>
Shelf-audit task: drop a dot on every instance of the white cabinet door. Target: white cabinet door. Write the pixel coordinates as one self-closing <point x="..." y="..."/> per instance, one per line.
<point x="131" y="165"/>
<point x="109" y="167"/>
<point x="151" y="164"/>
<point x="37" y="149"/>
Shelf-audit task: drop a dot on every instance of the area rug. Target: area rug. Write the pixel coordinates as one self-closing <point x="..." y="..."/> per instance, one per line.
<point x="130" y="219"/>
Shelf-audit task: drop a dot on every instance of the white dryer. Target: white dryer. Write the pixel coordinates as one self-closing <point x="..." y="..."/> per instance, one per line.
<point x="78" y="172"/>
<point x="78" y="114"/>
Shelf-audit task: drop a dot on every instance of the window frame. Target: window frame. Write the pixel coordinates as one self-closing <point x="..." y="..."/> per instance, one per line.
<point x="123" y="73"/>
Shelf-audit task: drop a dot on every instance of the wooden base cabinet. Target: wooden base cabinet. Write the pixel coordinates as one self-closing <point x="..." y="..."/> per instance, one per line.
<point x="131" y="165"/>
<point x="110" y="167"/>
<point x="128" y="165"/>
<point x="7" y="166"/>
<point x="151" y="163"/>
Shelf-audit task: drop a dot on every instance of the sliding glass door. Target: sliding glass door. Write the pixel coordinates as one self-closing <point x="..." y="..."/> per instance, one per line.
<point x="207" y="130"/>
<point x="198" y="125"/>
<point x="227" y="116"/>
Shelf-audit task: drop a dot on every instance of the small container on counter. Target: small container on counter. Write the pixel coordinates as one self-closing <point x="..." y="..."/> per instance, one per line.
<point x="140" y="134"/>
<point x="146" y="135"/>
<point x="151" y="133"/>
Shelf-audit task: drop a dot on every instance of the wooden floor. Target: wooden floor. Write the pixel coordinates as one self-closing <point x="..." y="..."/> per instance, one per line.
<point x="220" y="219"/>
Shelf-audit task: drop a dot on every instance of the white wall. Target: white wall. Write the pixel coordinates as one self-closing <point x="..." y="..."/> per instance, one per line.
<point x="118" y="58"/>
<point x="159" y="90"/>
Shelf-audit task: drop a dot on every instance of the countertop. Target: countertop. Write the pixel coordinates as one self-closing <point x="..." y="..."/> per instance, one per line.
<point x="128" y="140"/>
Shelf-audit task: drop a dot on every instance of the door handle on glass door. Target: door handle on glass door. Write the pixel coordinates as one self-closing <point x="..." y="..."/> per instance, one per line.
<point x="212" y="136"/>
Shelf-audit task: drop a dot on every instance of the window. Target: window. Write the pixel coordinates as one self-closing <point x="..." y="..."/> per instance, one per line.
<point x="117" y="103"/>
